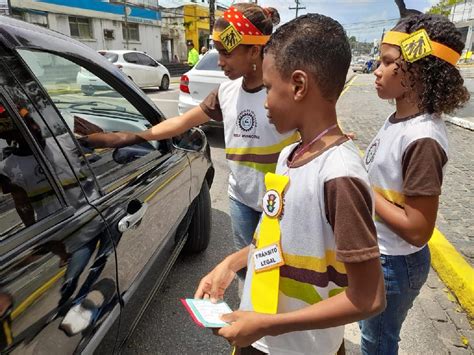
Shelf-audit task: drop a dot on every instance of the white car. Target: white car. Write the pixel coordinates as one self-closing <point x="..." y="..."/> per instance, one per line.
<point x="197" y="83"/>
<point x="138" y="66"/>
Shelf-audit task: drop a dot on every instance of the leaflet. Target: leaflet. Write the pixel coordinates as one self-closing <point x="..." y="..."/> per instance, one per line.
<point x="205" y="313"/>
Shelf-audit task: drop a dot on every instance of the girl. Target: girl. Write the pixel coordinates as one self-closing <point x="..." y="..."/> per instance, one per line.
<point x="252" y="143"/>
<point x="407" y="159"/>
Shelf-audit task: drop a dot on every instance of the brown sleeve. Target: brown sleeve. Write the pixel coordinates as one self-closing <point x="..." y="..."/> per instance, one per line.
<point x="422" y="166"/>
<point x="348" y="207"/>
<point x="211" y="105"/>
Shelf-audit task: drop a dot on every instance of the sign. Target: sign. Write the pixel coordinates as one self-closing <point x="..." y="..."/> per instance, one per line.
<point x="416" y="46"/>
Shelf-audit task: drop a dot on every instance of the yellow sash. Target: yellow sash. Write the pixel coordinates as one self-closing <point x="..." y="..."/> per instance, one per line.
<point x="265" y="284"/>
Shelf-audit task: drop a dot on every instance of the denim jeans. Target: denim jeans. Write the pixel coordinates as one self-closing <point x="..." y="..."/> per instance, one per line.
<point x="244" y="221"/>
<point x="404" y="276"/>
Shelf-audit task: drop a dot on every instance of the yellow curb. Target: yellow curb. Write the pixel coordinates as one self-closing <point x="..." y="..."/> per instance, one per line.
<point x="453" y="270"/>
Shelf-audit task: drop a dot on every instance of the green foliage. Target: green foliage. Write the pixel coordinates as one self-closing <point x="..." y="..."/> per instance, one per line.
<point x="443" y="7"/>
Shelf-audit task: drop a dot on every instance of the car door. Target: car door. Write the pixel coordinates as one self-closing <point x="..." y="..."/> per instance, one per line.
<point x="134" y="69"/>
<point x="151" y="67"/>
<point x="144" y="189"/>
<point x="56" y="254"/>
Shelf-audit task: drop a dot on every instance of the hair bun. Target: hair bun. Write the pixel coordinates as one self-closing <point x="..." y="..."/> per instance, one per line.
<point x="272" y="13"/>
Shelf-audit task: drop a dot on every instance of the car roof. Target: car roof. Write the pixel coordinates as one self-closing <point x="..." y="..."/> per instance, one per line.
<point x="120" y="51"/>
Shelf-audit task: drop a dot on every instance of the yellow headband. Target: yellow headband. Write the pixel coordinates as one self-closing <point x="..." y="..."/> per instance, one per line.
<point x="246" y="39"/>
<point x="408" y="42"/>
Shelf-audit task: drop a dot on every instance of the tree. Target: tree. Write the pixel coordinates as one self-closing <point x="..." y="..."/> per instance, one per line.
<point x="443" y="7"/>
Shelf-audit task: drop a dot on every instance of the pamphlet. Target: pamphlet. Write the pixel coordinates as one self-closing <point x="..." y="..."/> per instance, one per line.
<point x="205" y="313"/>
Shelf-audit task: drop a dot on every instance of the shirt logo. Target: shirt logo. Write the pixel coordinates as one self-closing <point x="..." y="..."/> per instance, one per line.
<point x="369" y="157"/>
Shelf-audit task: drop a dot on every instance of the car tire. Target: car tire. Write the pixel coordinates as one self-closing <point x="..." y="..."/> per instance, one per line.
<point x="199" y="231"/>
<point x="165" y="83"/>
<point x="88" y="90"/>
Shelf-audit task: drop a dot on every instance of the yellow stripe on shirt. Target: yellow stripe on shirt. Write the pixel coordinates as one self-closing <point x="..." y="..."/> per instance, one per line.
<point x="271" y="149"/>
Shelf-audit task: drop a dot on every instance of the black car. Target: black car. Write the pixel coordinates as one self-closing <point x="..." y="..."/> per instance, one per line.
<point x="87" y="235"/>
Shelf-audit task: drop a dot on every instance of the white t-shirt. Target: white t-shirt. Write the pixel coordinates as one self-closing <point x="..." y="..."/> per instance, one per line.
<point x="407" y="157"/>
<point x="252" y="143"/>
<point x="326" y="200"/>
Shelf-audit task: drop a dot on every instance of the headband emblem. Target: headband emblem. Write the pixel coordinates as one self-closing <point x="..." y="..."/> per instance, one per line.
<point x="416" y="46"/>
<point x="230" y="38"/>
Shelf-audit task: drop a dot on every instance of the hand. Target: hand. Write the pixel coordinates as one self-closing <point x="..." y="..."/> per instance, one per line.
<point x="214" y="284"/>
<point x="245" y="327"/>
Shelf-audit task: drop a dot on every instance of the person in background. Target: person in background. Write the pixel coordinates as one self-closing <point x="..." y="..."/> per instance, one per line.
<point x="193" y="55"/>
<point x="203" y="51"/>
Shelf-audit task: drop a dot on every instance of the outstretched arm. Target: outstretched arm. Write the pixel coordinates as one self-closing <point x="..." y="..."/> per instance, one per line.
<point x="164" y="130"/>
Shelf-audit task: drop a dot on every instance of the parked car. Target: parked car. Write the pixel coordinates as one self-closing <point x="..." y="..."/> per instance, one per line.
<point x="138" y="66"/>
<point x="197" y="83"/>
<point x="88" y="233"/>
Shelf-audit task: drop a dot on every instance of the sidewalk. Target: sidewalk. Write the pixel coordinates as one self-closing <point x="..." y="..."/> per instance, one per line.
<point x="436" y="324"/>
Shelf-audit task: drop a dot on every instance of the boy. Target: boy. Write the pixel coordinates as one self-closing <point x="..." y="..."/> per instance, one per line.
<point x="324" y="267"/>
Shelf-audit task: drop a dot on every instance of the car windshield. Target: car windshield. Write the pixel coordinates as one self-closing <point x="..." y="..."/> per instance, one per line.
<point x="209" y="62"/>
<point x="111" y="57"/>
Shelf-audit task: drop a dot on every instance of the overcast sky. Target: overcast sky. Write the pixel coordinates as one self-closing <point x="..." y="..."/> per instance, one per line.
<point x="364" y="19"/>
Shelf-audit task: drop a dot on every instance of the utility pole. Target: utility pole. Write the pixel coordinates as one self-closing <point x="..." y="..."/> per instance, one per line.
<point x="212" y="15"/>
<point x="127" y="32"/>
<point x="297" y="7"/>
<point x="9" y="8"/>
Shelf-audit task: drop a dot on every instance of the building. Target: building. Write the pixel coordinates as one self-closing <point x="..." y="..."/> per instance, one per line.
<point x="3" y="7"/>
<point x="109" y="24"/>
<point x="196" y="22"/>
<point x="462" y="15"/>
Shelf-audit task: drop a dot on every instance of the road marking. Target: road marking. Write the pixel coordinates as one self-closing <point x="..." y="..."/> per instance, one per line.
<point x="165" y="100"/>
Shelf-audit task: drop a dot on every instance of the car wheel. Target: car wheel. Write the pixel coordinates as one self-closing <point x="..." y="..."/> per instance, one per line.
<point x="88" y="90"/>
<point x="165" y="83"/>
<point x="199" y="232"/>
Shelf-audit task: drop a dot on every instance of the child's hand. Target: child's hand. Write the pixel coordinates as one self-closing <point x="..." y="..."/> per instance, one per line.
<point x="245" y="327"/>
<point x="214" y="284"/>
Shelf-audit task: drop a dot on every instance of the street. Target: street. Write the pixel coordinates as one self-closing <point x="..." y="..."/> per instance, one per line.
<point x="435" y="325"/>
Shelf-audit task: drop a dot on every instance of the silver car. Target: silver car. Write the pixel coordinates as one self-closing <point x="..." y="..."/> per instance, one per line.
<point x="197" y="83"/>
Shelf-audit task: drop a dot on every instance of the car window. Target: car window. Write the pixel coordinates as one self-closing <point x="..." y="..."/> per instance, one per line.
<point x="131" y="58"/>
<point x="146" y="60"/>
<point x="26" y="194"/>
<point x="91" y="108"/>
<point x="209" y="62"/>
<point x="111" y="57"/>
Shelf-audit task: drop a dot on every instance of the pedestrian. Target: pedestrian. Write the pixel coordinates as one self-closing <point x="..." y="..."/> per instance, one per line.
<point x="193" y="55"/>
<point x="314" y="264"/>
<point x="406" y="161"/>
<point x="203" y="51"/>
<point x="252" y="143"/>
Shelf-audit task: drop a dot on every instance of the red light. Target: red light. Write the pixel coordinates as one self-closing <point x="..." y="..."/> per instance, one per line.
<point x="184" y="84"/>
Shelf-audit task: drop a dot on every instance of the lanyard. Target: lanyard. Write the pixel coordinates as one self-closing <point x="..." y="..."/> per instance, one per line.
<point x="305" y="148"/>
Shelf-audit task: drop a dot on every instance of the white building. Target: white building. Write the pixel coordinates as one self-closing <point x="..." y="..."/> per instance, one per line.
<point x="462" y="15"/>
<point x="109" y="24"/>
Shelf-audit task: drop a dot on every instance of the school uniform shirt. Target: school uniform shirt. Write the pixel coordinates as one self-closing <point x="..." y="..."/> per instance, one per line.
<point x="326" y="222"/>
<point x="252" y="144"/>
<point x="406" y="158"/>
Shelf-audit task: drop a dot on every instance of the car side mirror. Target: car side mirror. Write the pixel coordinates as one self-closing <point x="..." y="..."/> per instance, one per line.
<point x="194" y="140"/>
<point x="128" y="154"/>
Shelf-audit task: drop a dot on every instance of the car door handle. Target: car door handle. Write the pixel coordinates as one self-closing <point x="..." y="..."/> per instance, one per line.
<point x="131" y="220"/>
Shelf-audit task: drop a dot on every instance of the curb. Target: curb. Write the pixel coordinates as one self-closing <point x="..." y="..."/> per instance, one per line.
<point x="453" y="270"/>
<point x="460" y="122"/>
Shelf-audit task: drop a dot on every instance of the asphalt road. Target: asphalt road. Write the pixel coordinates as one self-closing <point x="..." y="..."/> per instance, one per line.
<point x="166" y="327"/>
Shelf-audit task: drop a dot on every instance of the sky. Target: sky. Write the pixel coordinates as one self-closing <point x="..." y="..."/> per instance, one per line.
<point x="364" y="19"/>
